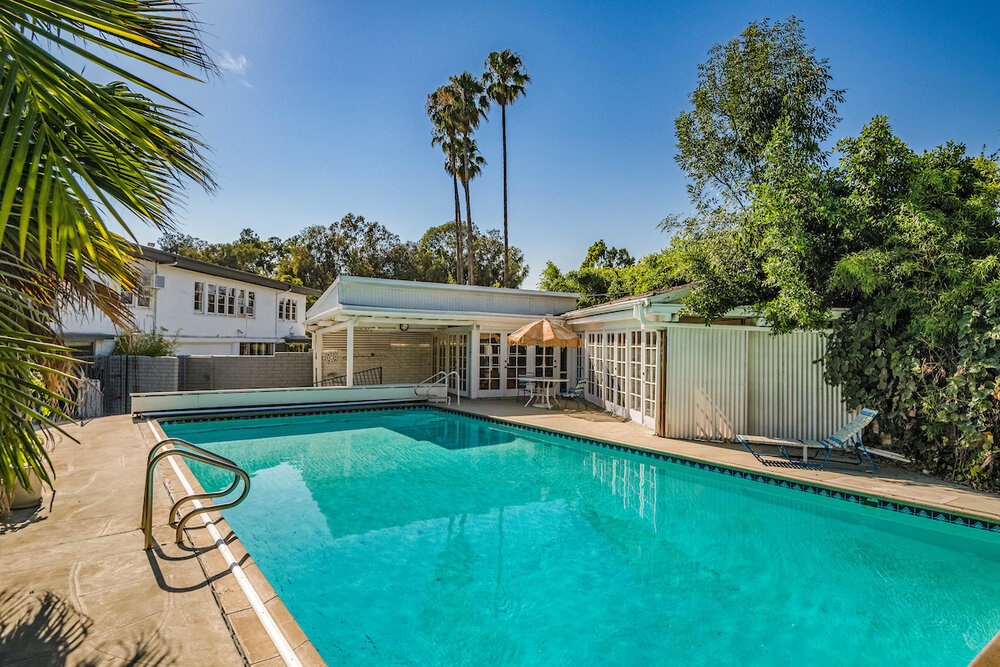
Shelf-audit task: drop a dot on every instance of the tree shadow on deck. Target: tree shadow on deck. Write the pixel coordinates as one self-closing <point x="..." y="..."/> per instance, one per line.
<point x="43" y="628"/>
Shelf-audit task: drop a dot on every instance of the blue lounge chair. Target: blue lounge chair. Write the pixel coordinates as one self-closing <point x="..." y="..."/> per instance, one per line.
<point x="847" y="439"/>
<point x="574" y="393"/>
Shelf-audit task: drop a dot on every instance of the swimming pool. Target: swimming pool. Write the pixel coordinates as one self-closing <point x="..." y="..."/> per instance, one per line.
<point x="420" y="536"/>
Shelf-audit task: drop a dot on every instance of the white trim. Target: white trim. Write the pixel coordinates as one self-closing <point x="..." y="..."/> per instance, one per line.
<point x="279" y="640"/>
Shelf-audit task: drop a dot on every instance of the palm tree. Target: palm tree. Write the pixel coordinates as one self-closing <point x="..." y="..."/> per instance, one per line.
<point x="471" y="105"/>
<point x="441" y="109"/>
<point x="76" y="156"/>
<point x="505" y="80"/>
<point x="469" y="167"/>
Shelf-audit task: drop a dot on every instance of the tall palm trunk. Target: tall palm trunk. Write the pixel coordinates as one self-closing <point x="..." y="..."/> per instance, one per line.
<point x="468" y="213"/>
<point x="459" y="258"/>
<point x="506" y="243"/>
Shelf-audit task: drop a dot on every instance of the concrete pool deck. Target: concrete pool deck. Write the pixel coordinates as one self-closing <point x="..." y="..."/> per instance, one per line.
<point x="77" y="588"/>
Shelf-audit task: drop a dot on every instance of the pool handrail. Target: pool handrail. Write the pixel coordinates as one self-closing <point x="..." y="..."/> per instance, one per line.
<point x="194" y="453"/>
<point x="435" y="380"/>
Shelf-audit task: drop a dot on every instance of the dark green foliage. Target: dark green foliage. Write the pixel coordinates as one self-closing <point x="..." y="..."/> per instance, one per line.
<point x="611" y="274"/>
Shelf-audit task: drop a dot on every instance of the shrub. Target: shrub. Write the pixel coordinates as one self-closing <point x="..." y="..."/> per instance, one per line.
<point x="151" y="344"/>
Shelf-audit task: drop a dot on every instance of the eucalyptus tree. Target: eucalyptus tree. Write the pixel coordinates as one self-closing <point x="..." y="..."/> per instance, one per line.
<point x="78" y="156"/>
<point x="441" y="108"/>
<point x="505" y="80"/>
<point x="471" y="105"/>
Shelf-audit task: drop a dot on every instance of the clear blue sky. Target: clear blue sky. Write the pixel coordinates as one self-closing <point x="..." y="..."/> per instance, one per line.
<point x="321" y="109"/>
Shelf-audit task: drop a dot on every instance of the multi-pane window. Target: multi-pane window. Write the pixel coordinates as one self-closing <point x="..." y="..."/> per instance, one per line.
<point x="649" y="379"/>
<point x="635" y="371"/>
<point x="544" y="361"/>
<point x="126" y="298"/>
<point x="224" y="300"/>
<point x="288" y="309"/>
<point x="221" y="301"/>
<point x="256" y="349"/>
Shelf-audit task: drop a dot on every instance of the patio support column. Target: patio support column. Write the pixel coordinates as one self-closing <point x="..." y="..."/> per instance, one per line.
<point x="350" y="354"/>
<point x="472" y="365"/>
<point x="317" y="353"/>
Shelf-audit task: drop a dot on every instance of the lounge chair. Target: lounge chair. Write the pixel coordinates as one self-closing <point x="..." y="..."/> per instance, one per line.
<point x="847" y="439"/>
<point x="574" y="393"/>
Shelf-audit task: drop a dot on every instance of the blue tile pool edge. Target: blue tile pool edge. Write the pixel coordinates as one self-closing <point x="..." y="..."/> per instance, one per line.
<point x="888" y="504"/>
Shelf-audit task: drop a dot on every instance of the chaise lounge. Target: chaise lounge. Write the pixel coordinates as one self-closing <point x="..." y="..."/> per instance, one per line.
<point x="847" y="440"/>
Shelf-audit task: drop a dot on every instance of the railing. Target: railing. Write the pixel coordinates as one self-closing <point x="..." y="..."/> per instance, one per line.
<point x="437" y="379"/>
<point x="367" y="376"/>
<point x="195" y="453"/>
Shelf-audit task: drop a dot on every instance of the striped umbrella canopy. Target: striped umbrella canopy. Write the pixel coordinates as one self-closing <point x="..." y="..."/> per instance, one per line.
<point x="546" y="333"/>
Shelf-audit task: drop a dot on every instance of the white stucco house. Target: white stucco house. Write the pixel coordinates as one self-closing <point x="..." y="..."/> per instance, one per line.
<point x="643" y="358"/>
<point x="209" y="309"/>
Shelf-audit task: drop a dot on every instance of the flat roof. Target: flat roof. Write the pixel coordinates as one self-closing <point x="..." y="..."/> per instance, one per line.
<point x="191" y="264"/>
<point x="626" y="300"/>
<point x="392" y="282"/>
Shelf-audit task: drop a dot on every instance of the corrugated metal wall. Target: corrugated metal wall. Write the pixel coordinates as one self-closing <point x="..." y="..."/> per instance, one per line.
<point x="705" y="383"/>
<point x="719" y="383"/>
<point x="785" y="389"/>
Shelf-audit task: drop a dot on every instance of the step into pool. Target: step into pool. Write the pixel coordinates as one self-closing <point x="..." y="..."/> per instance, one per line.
<point x="421" y="536"/>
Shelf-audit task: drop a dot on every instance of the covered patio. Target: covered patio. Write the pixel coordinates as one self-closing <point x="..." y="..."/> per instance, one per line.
<point x="374" y="331"/>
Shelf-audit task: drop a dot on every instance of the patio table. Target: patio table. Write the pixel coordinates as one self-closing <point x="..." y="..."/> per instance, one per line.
<point x="542" y="391"/>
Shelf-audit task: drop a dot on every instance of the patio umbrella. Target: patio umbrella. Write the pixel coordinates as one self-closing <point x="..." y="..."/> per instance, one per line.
<point x="544" y="333"/>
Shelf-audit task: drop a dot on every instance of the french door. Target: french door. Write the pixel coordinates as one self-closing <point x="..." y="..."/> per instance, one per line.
<point x="500" y="364"/>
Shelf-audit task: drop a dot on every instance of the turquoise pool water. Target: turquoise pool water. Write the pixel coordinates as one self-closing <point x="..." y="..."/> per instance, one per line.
<point x="423" y="537"/>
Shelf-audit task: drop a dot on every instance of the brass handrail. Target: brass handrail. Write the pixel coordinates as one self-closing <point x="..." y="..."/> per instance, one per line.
<point x="196" y="454"/>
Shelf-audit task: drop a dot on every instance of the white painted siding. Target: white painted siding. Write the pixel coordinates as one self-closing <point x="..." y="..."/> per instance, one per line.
<point x="171" y="310"/>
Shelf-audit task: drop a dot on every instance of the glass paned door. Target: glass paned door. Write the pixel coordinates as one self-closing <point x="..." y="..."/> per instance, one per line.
<point x="491" y="358"/>
<point x="517" y="366"/>
<point x="635" y="375"/>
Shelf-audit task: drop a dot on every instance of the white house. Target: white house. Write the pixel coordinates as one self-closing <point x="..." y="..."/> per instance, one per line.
<point x="642" y="358"/>
<point x="209" y="309"/>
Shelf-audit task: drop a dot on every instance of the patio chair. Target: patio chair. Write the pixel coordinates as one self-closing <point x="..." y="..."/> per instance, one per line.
<point x="847" y="440"/>
<point x="575" y="393"/>
<point x="525" y="388"/>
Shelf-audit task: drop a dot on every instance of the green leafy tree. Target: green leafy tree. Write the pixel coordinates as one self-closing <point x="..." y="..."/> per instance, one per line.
<point x="248" y="253"/>
<point x="599" y="255"/>
<point x="79" y="156"/>
<point x="505" y="80"/>
<point x="352" y="246"/>
<point x="436" y="264"/>
<point x="765" y="76"/>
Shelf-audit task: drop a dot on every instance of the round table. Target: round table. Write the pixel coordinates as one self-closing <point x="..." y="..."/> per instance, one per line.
<point x="543" y="390"/>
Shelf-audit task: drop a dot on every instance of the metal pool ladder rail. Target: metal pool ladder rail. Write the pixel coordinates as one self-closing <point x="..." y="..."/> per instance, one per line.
<point x="440" y="378"/>
<point x="195" y="453"/>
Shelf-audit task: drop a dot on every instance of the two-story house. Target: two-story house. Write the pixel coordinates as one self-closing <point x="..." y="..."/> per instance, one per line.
<point x="207" y="308"/>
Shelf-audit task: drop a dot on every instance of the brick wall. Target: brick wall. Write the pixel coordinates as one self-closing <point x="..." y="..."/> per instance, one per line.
<point x="284" y="369"/>
<point x="404" y="356"/>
